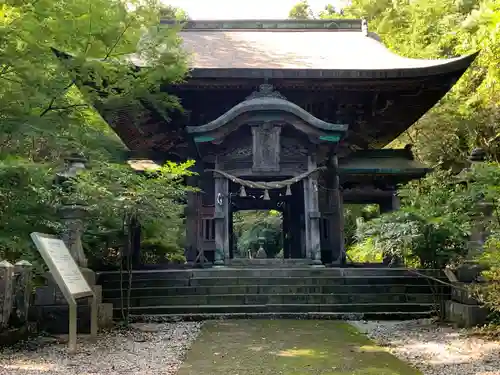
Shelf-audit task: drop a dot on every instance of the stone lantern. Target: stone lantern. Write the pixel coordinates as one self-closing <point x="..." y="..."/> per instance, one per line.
<point x="463" y="309"/>
<point x="50" y="306"/>
<point x="469" y="271"/>
<point x="261" y="253"/>
<point x="73" y="212"/>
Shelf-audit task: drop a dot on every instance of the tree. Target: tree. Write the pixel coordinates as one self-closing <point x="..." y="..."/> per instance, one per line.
<point x="469" y="115"/>
<point x="331" y="12"/>
<point x="301" y="11"/>
<point x="44" y="117"/>
<point x="173" y="13"/>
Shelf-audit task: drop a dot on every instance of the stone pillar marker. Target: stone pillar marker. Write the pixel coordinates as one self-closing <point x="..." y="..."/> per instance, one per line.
<point x="22" y="290"/>
<point x="6" y="292"/>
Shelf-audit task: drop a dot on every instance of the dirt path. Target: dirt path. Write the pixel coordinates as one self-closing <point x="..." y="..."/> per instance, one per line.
<point x="288" y="347"/>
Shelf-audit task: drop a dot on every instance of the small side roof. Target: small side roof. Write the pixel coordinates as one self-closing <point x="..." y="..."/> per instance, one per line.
<point x="314" y="45"/>
<point x="385" y="162"/>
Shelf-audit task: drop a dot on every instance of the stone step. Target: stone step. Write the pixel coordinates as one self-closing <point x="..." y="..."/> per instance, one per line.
<point x="280" y="308"/>
<point x="283" y="263"/>
<point x="263" y="272"/>
<point x="248" y="281"/>
<point x="275" y="299"/>
<point x="384" y="315"/>
<point x="269" y="289"/>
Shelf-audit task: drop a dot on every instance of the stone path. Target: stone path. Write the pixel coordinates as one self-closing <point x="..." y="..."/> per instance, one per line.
<point x="436" y="349"/>
<point x="145" y="349"/>
<point x="288" y="347"/>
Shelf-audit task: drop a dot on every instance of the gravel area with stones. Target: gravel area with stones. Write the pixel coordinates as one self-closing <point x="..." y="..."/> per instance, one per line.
<point x="145" y="349"/>
<point x="436" y="350"/>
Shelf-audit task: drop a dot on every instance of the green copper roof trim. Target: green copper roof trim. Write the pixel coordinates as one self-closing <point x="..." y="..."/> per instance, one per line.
<point x="203" y="139"/>
<point x="264" y="104"/>
<point x="384" y="170"/>
<point x="330" y="138"/>
<point x="278" y="24"/>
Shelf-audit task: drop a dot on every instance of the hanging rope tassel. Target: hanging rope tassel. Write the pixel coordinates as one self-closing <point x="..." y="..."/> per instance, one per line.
<point x="243" y="192"/>
<point x="266" y="195"/>
<point x="288" y="190"/>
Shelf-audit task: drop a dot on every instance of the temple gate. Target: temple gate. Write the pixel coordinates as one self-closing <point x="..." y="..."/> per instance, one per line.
<point x="292" y="115"/>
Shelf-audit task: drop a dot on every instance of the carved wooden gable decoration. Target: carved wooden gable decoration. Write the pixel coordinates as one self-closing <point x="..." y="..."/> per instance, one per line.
<point x="266" y="147"/>
<point x="279" y="133"/>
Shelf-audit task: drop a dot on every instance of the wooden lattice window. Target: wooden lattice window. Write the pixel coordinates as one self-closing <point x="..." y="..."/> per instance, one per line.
<point x="209" y="229"/>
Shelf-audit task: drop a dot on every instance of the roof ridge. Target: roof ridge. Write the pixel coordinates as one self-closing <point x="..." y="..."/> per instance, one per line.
<point x="268" y="25"/>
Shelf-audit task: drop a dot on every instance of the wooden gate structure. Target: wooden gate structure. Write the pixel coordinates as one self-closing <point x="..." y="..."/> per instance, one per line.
<point x="287" y="115"/>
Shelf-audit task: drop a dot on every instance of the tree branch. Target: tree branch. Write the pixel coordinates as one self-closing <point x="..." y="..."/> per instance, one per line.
<point x="52" y="101"/>
<point x="90" y="29"/>
<point x="69" y="107"/>
<point x="118" y="40"/>
<point x="10" y="80"/>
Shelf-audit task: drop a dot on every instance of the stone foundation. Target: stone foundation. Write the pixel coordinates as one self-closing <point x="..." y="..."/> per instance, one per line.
<point x="465" y="316"/>
<point x="51" y="311"/>
<point x="55" y="319"/>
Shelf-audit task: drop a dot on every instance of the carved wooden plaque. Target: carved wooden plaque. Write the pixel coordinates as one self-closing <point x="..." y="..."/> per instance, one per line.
<point x="266" y="147"/>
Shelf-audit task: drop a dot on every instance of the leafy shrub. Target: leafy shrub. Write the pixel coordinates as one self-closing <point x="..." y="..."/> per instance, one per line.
<point x="489" y="292"/>
<point x="365" y="252"/>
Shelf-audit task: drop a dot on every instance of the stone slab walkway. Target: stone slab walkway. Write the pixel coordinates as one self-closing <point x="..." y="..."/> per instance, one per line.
<point x="288" y="347"/>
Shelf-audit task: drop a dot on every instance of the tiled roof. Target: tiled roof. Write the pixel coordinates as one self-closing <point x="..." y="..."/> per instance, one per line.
<point x="294" y="50"/>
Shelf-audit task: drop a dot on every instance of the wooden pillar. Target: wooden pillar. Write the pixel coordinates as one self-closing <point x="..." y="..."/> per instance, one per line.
<point x="312" y="216"/>
<point x="191" y="214"/>
<point x="295" y="223"/>
<point x="285" y="226"/>
<point x="390" y="204"/>
<point x="307" y="232"/>
<point x="221" y="218"/>
<point x="396" y="203"/>
<point x="336" y="211"/>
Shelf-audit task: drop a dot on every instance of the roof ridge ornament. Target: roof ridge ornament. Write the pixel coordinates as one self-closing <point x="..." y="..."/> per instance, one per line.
<point x="364" y="26"/>
<point x="265" y="90"/>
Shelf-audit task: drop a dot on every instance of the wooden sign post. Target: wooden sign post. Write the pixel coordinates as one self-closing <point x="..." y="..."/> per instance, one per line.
<point x="70" y="280"/>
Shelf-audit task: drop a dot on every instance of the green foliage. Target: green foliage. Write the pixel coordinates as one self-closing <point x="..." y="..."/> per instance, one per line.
<point x="408" y="234"/>
<point x="437" y="216"/>
<point x="43" y="117"/>
<point x="489" y="292"/>
<point x="114" y="195"/>
<point x="470" y="115"/>
<point x="249" y="226"/>
<point x="301" y="11"/>
<point x="351" y="213"/>
<point x="365" y="251"/>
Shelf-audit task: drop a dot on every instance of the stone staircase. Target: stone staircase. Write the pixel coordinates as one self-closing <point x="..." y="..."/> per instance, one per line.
<point x="304" y="292"/>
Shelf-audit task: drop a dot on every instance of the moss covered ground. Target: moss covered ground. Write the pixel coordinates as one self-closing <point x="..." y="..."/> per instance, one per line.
<point x="288" y="347"/>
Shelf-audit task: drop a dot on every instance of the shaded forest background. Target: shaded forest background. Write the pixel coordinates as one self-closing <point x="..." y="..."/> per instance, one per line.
<point x="44" y="118"/>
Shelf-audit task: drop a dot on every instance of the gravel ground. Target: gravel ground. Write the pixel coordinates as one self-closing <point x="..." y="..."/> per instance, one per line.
<point x="436" y="350"/>
<point x="146" y="349"/>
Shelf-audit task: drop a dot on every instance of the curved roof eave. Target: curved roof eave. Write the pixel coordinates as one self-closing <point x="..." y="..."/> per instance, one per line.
<point x="431" y="68"/>
<point x="266" y="104"/>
